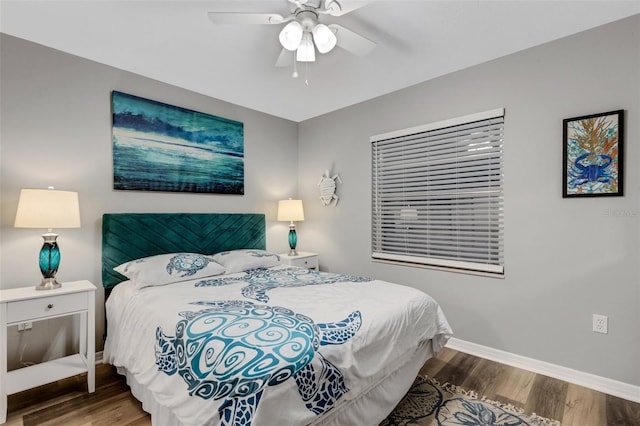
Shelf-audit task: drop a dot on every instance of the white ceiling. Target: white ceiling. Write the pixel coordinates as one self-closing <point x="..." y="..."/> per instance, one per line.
<point x="174" y="42"/>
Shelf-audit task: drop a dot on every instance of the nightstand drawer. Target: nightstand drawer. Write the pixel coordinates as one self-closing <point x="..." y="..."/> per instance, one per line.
<point x="44" y="307"/>
<point x="304" y="262"/>
<point x="304" y="259"/>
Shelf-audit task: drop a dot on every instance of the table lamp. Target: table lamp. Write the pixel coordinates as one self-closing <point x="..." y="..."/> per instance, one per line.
<point x="290" y="211"/>
<point x="48" y="208"/>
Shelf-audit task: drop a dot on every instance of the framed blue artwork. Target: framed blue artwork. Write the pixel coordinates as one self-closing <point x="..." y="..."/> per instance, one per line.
<point x="593" y="160"/>
<point x="160" y="147"/>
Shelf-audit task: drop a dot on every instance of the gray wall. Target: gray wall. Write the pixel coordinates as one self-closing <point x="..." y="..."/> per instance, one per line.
<point x="565" y="259"/>
<point x="56" y="130"/>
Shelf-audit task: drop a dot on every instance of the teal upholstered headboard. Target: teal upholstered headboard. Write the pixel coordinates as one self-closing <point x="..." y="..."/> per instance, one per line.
<point x="129" y="236"/>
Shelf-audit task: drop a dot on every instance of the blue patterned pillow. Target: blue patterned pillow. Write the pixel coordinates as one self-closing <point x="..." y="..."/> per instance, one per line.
<point x="169" y="268"/>
<point x="245" y="259"/>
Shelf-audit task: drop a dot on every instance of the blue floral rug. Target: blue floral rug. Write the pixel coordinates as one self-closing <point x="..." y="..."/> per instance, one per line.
<point x="429" y="403"/>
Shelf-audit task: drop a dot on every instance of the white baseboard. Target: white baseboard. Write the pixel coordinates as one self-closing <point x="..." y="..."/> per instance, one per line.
<point x="99" y="357"/>
<point x="591" y="381"/>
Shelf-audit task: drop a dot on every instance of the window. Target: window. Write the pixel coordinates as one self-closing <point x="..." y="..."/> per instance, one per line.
<point x="437" y="194"/>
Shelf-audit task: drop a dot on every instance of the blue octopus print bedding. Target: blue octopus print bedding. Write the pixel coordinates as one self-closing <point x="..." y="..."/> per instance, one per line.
<point x="269" y="346"/>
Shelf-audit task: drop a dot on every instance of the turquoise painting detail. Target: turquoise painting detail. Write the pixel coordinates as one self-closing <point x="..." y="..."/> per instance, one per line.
<point x="160" y="147"/>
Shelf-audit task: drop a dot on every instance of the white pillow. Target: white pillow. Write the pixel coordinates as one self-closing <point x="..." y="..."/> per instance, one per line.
<point x="169" y="268"/>
<point x="245" y="259"/>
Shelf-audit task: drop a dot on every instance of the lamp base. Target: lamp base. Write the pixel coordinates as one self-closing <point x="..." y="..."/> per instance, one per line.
<point x="293" y="239"/>
<point x="49" y="262"/>
<point x="48" y="284"/>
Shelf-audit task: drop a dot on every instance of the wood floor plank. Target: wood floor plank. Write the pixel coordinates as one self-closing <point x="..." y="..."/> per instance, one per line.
<point x="584" y="407"/>
<point x="516" y="386"/>
<point x="57" y="392"/>
<point x="80" y="407"/>
<point x="547" y="397"/>
<point x="485" y="377"/>
<point x="622" y="412"/>
<point x="108" y="393"/>
<point x="123" y="412"/>
<point x="432" y="367"/>
<point x="458" y="369"/>
<point x="142" y="421"/>
<point x="435" y="364"/>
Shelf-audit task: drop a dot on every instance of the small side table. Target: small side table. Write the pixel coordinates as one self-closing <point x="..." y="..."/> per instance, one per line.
<point x="27" y="304"/>
<point x="303" y="259"/>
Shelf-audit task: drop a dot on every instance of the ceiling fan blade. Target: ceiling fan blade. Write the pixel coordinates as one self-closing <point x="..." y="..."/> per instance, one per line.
<point x="352" y="42"/>
<point x="285" y="58"/>
<point x="342" y="7"/>
<point x="245" y="18"/>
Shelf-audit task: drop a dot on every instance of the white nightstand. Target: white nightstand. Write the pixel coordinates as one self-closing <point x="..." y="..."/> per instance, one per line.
<point x="26" y="304"/>
<point x="303" y="259"/>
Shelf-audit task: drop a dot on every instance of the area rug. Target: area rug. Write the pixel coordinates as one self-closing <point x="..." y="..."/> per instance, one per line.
<point x="428" y="403"/>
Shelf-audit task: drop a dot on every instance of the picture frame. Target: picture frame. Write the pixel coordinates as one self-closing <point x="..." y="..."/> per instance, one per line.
<point x="593" y="155"/>
<point x="161" y="147"/>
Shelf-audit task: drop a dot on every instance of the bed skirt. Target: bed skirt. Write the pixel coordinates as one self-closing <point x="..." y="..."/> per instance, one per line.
<point x="369" y="407"/>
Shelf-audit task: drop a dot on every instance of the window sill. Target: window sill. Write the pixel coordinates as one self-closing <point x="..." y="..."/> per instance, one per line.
<point x="440" y="268"/>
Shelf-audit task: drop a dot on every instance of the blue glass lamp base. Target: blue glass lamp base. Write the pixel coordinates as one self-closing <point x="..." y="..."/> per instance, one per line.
<point x="293" y="240"/>
<point x="49" y="260"/>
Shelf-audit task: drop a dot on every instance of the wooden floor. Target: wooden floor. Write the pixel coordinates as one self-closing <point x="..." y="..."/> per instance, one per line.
<point x="67" y="403"/>
<point x="570" y="404"/>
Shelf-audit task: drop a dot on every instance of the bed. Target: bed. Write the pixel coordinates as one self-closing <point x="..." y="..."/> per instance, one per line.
<point x="209" y="328"/>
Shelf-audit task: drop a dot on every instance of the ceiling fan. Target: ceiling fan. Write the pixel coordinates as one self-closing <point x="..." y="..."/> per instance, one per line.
<point x="303" y="32"/>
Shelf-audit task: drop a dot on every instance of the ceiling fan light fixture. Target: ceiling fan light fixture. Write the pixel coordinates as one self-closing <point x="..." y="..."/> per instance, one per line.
<point x="291" y="35"/>
<point x="324" y="38"/>
<point x="306" y="51"/>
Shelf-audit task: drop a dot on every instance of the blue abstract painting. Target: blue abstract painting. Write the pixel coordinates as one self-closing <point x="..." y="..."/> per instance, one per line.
<point x="160" y="147"/>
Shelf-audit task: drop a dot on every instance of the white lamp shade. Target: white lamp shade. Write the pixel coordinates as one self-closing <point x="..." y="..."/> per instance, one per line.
<point x="291" y="35"/>
<point x="47" y="208"/>
<point x="324" y="38"/>
<point x="306" y="52"/>
<point x="290" y="210"/>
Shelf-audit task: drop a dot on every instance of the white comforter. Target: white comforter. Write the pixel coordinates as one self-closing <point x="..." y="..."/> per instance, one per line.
<point x="276" y="348"/>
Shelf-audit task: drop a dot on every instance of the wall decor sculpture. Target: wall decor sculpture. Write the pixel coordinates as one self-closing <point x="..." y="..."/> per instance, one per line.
<point x="160" y="147"/>
<point x="327" y="187"/>
<point x="593" y="155"/>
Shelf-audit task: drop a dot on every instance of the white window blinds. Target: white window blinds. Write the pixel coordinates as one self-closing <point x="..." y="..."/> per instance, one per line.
<point x="437" y="194"/>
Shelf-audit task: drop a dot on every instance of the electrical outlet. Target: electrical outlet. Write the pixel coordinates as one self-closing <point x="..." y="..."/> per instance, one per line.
<point x="600" y="323"/>
<point x="25" y="326"/>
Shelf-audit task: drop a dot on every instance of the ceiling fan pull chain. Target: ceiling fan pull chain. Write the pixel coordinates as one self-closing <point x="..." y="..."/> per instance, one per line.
<point x="306" y="73"/>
